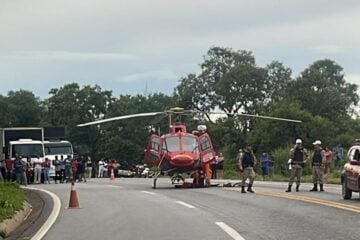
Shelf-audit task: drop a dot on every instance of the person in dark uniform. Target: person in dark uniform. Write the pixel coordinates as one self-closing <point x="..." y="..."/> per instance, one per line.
<point x="318" y="166"/>
<point x="298" y="158"/>
<point x="247" y="164"/>
<point x="57" y="164"/>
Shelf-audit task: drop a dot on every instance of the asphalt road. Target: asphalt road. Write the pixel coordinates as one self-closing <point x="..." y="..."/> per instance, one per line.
<point x="131" y="209"/>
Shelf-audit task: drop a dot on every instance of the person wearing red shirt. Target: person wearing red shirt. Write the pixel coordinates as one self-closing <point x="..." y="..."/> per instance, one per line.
<point x="9" y="167"/>
<point x="74" y="167"/>
<point x="329" y="159"/>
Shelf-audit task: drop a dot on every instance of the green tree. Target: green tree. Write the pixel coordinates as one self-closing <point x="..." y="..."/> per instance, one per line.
<point x="206" y="90"/>
<point x="322" y="90"/>
<point x="279" y="76"/>
<point x="268" y="135"/>
<point x="71" y="105"/>
<point x="20" y="109"/>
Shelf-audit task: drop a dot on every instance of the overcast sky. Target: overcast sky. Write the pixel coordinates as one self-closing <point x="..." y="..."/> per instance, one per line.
<point x="124" y="45"/>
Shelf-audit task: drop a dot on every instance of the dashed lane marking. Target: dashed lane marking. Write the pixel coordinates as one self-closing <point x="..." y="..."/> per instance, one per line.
<point x="114" y="186"/>
<point x="185" y="204"/>
<point x="151" y="193"/>
<point x="230" y="231"/>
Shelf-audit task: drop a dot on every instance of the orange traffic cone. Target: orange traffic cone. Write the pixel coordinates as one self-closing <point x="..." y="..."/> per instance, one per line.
<point x="112" y="175"/>
<point x="74" y="201"/>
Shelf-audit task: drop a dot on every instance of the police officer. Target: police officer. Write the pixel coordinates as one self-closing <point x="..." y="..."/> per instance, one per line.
<point x="298" y="157"/>
<point x="247" y="162"/>
<point x="318" y="162"/>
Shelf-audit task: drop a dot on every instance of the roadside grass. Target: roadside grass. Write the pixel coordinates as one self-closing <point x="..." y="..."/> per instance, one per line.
<point x="11" y="200"/>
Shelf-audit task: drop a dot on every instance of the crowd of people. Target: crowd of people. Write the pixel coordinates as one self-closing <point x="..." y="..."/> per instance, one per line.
<point x="26" y="170"/>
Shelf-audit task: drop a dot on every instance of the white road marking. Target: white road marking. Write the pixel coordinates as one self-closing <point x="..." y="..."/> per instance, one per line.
<point x="114" y="186"/>
<point x="185" y="204"/>
<point x="230" y="231"/>
<point x="151" y="193"/>
<point x="53" y="216"/>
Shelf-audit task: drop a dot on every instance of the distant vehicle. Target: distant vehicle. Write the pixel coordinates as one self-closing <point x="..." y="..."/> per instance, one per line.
<point x="147" y="173"/>
<point x="57" y="148"/>
<point x="125" y="173"/>
<point x="56" y="145"/>
<point x="26" y="142"/>
<point x="350" y="177"/>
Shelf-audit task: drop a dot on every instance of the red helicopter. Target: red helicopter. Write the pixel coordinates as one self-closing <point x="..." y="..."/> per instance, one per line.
<point x="179" y="152"/>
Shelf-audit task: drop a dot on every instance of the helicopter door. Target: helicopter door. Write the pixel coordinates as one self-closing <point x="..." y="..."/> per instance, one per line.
<point x="152" y="151"/>
<point x="207" y="151"/>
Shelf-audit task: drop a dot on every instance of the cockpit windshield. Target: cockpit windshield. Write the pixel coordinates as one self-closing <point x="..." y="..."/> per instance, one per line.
<point x="190" y="144"/>
<point x="172" y="144"/>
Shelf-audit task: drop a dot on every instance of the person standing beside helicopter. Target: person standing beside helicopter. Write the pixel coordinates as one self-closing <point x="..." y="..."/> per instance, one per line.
<point x="220" y="166"/>
<point x="247" y="163"/>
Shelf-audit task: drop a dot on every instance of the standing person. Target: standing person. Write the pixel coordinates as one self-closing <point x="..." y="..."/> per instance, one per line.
<point x="81" y="169"/>
<point x="213" y="167"/>
<point x="18" y="166"/>
<point x="88" y="167"/>
<point x="57" y="164"/>
<point x="318" y="161"/>
<point x="247" y="164"/>
<point x="46" y="170"/>
<point x="9" y="166"/>
<point x="238" y="164"/>
<point x="93" y="169"/>
<point x="220" y="166"/>
<point x="329" y="159"/>
<point x="110" y="168"/>
<point x="101" y="169"/>
<point x="29" y="172"/>
<point x="338" y="153"/>
<point x="62" y="168"/>
<point x="264" y="163"/>
<point x="106" y="168"/>
<point x="298" y="157"/>
<point x="116" y="167"/>
<point x="68" y="173"/>
<point x="74" y="169"/>
<point x="37" y="169"/>
<point x="2" y="170"/>
<point x="271" y="166"/>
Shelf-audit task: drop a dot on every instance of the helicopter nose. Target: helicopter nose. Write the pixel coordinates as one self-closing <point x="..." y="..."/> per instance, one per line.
<point x="183" y="159"/>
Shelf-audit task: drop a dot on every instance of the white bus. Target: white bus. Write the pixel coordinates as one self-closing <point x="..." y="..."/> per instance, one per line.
<point x="57" y="148"/>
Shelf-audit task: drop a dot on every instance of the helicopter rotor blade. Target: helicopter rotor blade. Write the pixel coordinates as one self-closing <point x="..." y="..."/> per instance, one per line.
<point x="258" y="116"/>
<point x="120" y="118"/>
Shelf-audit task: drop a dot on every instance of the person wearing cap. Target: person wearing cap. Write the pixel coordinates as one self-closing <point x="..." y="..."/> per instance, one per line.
<point x="298" y="156"/>
<point x="318" y="163"/>
<point x="247" y="164"/>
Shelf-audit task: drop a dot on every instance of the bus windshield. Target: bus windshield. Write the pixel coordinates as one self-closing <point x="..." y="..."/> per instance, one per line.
<point x="28" y="150"/>
<point x="58" y="149"/>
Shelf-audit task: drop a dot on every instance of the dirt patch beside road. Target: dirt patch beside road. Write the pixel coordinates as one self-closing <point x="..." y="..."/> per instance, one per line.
<point x="19" y="224"/>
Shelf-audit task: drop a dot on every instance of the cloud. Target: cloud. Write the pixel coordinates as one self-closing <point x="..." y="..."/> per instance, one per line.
<point x="353" y="78"/>
<point x="69" y="56"/>
<point x="328" y="49"/>
<point x="158" y="76"/>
